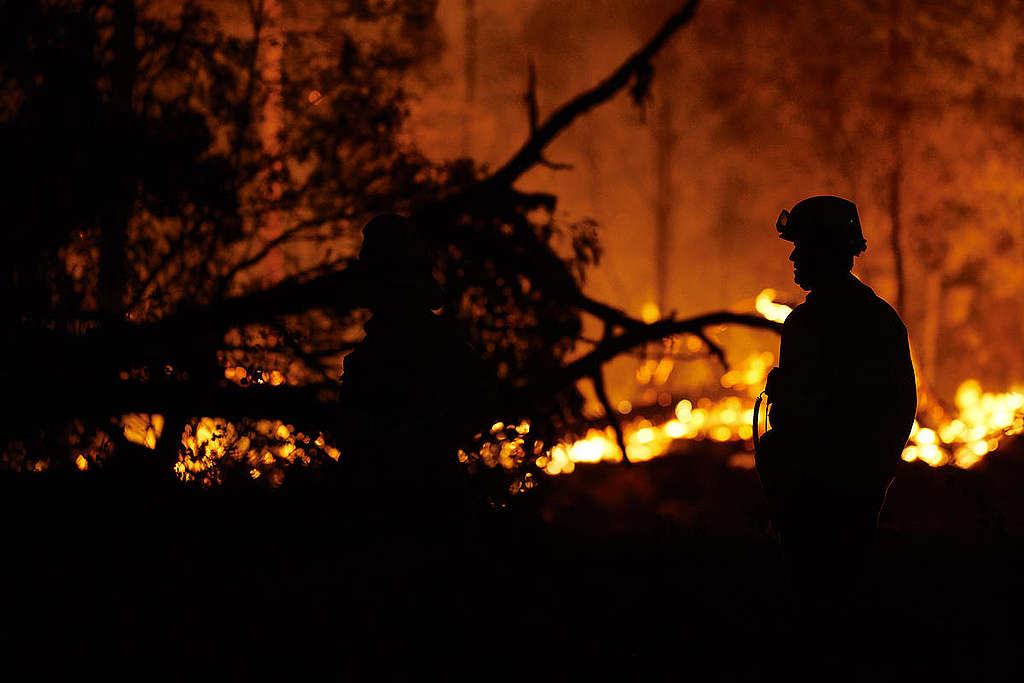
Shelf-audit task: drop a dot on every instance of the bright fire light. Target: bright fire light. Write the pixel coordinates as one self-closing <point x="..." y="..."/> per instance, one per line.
<point x="983" y="419"/>
<point x="766" y="306"/>
<point x="268" y="447"/>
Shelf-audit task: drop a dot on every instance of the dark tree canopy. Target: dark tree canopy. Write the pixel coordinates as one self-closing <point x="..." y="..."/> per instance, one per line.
<point x="191" y="195"/>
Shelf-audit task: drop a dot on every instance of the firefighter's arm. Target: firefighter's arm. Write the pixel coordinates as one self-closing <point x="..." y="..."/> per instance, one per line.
<point x="797" y="390"/>
<point x="799" y="401"/>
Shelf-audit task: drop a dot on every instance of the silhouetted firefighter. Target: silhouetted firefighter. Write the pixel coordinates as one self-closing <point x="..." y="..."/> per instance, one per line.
<point x="407" y="391"/>
<point x="843" y="401"/>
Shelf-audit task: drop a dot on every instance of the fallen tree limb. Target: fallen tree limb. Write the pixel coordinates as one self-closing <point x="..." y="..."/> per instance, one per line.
<point x="637" y="335"/>
<point x="295" y="296"/>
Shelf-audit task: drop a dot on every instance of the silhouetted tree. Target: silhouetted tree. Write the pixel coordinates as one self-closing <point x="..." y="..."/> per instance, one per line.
<point x="170" y="238"/>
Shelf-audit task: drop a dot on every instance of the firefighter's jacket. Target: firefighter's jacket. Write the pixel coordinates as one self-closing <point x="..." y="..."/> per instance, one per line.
<point x="843" y="398"/>
<point x="408" y="391"/>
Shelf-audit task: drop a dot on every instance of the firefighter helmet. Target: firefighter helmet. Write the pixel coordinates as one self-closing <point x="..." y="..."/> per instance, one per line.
<point x="393" y="255"/>
<point x="824" y="219"/>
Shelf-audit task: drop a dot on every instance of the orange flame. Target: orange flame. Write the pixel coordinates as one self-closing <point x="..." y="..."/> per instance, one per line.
<point x="982" y="421"/>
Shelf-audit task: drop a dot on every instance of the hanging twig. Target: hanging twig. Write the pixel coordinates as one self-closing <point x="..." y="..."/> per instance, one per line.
<point x="532" y="150"/>
<point x="532" y="112"/>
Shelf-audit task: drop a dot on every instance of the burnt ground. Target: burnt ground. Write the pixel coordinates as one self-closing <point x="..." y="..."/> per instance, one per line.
<point x="665" y="570"/>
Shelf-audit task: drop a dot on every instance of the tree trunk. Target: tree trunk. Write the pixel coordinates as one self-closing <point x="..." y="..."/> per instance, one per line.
<point x="469" y="76"/>
<point x="896" y="234"/>
<point x="896" y="124"/>
<point x="664" y="140"/>
<point x="931" y="328"/>
<point x="271" y="55"/>
<point x="116" y="210"/>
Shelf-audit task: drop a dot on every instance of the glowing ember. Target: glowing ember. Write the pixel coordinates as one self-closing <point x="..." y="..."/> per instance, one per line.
<point x="266" y="447"/>
<point x="142" y="428"/>
<point x="243" y="376"/>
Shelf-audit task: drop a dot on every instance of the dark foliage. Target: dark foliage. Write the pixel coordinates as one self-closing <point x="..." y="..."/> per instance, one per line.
<point x="190" y="197"/>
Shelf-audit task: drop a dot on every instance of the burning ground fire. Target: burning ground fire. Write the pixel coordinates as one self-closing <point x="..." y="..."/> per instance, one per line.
<point x="982" y="420"/>
<point x="210" y="447"/>
<point x="268" y="448"/>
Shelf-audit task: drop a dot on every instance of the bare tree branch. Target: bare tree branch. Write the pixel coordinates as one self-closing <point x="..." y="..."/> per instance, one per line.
<point x="637" y="335"/>
<point x="554" y="165"/>
<point x="290" y="296"/>
<point x="602" y="395"/>
<point x="288" y="235"/>
<point x="531" y="152"/>
<point x="532" y="113"/>
<point x="530" y="96"/>
<point x="196" y="326"/>
<point x="714" y="348"/>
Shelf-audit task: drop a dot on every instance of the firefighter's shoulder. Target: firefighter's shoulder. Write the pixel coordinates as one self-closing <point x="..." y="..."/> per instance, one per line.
<point x="884" y="313"/>
<point x="887" y="316"/>
<point x="800" y="317"/>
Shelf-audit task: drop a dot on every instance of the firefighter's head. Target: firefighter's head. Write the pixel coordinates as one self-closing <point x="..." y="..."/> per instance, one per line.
<point x="396" y="265"/>
<point x="826" y="235"/>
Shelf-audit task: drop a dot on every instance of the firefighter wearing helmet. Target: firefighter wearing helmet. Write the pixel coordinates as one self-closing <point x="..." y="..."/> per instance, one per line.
<point x="842" y="401"/>
<point x="405" y="391"/>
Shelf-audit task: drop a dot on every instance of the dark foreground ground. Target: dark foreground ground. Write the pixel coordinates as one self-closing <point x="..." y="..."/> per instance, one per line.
<point x="658" y="572"/>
